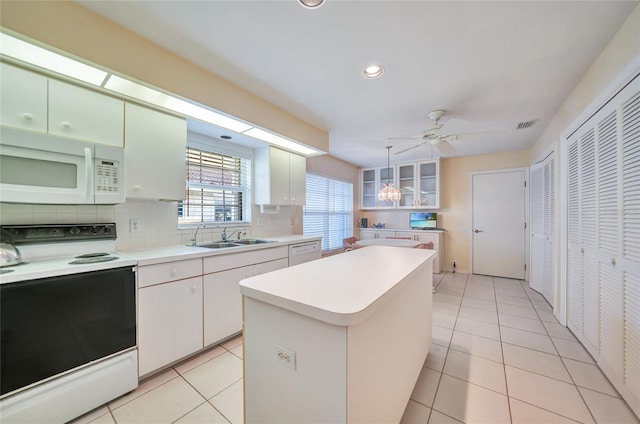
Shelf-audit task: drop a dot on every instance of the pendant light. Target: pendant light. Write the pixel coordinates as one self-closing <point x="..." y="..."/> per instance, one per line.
<point x="389" y="193"/>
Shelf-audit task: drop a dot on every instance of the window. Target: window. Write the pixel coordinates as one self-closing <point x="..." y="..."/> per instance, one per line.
<point x="328" y="211"/>
<point x="218" y="188"/>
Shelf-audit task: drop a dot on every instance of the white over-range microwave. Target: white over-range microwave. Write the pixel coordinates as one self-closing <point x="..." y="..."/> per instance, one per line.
<point x="45" y="169"/>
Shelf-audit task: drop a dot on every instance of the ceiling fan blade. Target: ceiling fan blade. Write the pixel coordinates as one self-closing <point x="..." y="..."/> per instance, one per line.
<point x="453" y="126"/>
<point x="411" y="148"/>
<point x="403" y="138"/>
<point x="480" y="134"/>
<point x="445" y="147"/>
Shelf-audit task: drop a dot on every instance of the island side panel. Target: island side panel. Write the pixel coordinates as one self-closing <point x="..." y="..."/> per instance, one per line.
<point x="315" y="391"/>
<point x="387" y="352"/>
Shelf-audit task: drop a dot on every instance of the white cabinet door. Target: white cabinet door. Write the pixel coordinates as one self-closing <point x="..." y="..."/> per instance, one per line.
<point x="23" y="103"/>
<point x="280" y="177"/>
<point x="436" y="239"/>
<point x="270" y="266"/>
<point x="367" y="234"/>
<point x="83" y="114"/>
<point x="223" y="303"/>
<point x="297" y="179"/>
<point x="407" y="186"/>
<point x="428" y="184"/>
<point x="155" y="146"/>
<point x="169" y="323"/>
<point x="371" y="181"/>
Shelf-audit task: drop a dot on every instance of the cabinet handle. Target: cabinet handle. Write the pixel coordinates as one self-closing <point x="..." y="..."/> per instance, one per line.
<point x="293" y="199"/>
<point x="613" y="261"/>
<point x="582" y="250"/>
<point x="66" y="125"/>
<point x="173" y="272"/>
<point x="194" y="288"/>
<point x="27" y="116"/>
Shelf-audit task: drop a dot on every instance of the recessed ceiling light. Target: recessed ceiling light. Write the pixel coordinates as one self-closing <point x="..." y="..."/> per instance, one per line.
<point x="311" y="4"/>
<point x="373" y="71"/>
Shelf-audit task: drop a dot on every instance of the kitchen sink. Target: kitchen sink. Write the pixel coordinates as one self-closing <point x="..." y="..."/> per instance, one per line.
<point x="219" y="245"/>
<point x="235" y="243"/>
<point x="252" y="241"/>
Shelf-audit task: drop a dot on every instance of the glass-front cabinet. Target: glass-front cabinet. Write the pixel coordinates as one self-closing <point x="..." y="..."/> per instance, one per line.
<point x="418" y="182"/>
<point x="428" y="179"/>
<point x="372" y="180"/>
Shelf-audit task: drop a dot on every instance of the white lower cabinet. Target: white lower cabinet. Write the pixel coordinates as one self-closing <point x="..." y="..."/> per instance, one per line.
<point x="185" y="306"/>
<point x="223" y="301"/>
<point x="169" y="323"/>
<point x="436" y="237"/>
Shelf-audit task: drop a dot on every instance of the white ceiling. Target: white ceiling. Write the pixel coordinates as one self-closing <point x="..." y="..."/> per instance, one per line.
<point x="492" y="64"/>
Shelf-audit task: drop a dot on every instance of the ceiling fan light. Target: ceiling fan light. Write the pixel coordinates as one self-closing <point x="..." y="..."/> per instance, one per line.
<point x="373" y="71"/>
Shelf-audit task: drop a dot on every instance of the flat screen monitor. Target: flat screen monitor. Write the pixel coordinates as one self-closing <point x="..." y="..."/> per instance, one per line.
<point x="423" y="220"/>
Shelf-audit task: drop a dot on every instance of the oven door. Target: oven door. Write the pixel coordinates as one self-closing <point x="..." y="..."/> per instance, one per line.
<point x="53" y="325"/>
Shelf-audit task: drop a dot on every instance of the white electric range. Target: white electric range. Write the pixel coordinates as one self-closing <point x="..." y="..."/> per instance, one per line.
<point x="68" y="322"/>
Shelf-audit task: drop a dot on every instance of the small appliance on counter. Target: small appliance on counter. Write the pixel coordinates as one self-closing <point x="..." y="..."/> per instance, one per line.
<point x="364" y="223"/>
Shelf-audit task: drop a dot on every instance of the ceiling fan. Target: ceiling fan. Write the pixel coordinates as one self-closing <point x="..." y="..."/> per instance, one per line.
<point x="438" y="135"/>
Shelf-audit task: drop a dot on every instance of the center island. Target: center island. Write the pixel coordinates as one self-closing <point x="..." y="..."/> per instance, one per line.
<point x="337" y="340"/>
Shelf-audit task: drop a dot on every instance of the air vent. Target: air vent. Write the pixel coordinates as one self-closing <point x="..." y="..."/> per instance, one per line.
<point x="527" y="124"/>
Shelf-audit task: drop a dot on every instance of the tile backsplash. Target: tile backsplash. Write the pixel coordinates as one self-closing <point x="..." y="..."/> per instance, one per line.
<point x="158" y="221"/>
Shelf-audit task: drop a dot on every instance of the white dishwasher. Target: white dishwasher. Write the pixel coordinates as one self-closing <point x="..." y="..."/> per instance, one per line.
<point x="304" y="252"/>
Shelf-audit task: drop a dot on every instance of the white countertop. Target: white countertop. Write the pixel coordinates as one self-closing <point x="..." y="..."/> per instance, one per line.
<point x="150" y="256"/>
<point x="343" y="289"/>
<point x="389" y="242"/>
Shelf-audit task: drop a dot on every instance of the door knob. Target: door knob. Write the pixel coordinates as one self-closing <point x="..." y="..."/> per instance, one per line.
<point x="479" y="231"/>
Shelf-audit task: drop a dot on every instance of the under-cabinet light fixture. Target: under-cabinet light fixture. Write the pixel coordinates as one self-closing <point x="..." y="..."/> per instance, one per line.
<point x="46" y="59"/>
<point x="279" y="141"/>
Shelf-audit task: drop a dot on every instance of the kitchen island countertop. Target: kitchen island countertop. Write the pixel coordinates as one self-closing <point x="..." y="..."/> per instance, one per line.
<point x="341" y="289"/>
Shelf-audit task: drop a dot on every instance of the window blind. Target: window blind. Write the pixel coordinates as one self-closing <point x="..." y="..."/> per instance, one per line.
<point x="217" y="188"/>
<point x="328" y="211"/>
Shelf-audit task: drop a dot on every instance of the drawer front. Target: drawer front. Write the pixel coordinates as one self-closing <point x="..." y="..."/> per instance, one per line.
<point x="170" y="271"/>
<point x="237" y="260"/>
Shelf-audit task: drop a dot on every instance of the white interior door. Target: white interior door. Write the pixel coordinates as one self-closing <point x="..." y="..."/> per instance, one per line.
<point x="499" y="216"/>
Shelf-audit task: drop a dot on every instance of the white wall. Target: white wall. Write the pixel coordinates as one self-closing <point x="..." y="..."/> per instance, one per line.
<point x="158" y="221"/>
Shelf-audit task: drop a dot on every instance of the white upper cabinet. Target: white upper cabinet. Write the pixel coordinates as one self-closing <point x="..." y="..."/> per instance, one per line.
<point x="372" y="180"/>
<point x="418" y="182"/>
<point x="34" y="102"/>
<point x="23" y="103"/>
<point x="280" y="177"/>
<point x="155" y="146"/>
<point x="83" y="114"/>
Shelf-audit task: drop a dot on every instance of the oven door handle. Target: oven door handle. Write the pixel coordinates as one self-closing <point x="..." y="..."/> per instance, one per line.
<point x="88" y="169"/>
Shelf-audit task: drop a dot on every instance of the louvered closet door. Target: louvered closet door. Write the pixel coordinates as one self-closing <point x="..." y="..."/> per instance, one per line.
<point x="574" y="278"/>
<point x="589" y="245"/>
<point x="603" y="219"/>
<point x="537" y="227"/>
<point x="630" y="262"/>
<point x="548" y="288"/>
<point x="611" y="295"/>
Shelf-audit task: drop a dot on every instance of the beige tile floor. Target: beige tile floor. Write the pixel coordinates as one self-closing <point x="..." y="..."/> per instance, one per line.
<point x="498" y="356"/>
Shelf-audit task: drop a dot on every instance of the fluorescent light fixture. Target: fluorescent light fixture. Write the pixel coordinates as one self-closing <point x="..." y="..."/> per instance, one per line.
<point x="149" y="95"/>
<point x="40" y="57"/>
<point x="276" y="140"/>
<point x="43" y="58"/>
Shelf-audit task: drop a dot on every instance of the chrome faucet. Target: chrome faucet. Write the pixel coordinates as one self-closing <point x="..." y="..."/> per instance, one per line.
<point x="195" y="237"/>
<point x="226" y="237"/>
